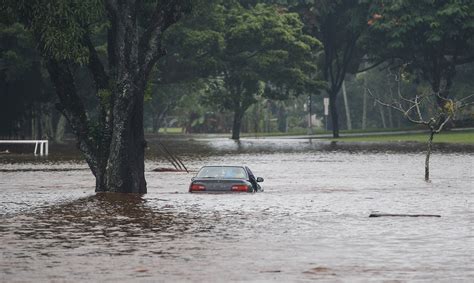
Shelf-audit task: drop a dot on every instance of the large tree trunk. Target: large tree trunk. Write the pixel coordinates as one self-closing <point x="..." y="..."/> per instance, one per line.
<point x="237" y="123"/>
<point x="121" y="147"/>
<point x="114" y="146"/>
<point x="126" y="162"/>
<point x="334" y="115"/>
<point x="283" y="119"/>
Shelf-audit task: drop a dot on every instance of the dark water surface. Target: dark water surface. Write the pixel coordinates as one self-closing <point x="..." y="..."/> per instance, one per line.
<point x="311" y="223"/>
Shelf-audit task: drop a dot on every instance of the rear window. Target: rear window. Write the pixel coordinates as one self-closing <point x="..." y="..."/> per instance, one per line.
<point x="222" y="172"/>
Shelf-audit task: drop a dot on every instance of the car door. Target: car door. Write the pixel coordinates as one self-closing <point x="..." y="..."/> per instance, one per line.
<point x="252" y="179"/>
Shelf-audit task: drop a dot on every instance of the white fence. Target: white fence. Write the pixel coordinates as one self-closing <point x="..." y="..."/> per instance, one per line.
<point x="43" y="145"/>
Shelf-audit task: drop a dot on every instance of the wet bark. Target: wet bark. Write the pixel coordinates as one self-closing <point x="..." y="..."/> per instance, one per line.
<point x="237" y="123"/>
<point x="428" y="154"/>
<point x="402" y="215"/>
<point x="122" y="169"/>
<point x="334" y="114"/>
<point x="338" y="57"/>
<point x="71" y="106"/>
<point x="125" y="165"/>
<point x="114" y="145"/>
<point x="283" y="119"/>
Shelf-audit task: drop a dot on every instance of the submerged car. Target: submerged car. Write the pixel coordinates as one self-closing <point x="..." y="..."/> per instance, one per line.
<point x="225" y="179"/>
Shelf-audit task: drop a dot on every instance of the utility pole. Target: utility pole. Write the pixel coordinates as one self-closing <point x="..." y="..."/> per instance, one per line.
<point x="310" y="114"/>
<point x="346" y="104"/>
<point x="364" y="106"/>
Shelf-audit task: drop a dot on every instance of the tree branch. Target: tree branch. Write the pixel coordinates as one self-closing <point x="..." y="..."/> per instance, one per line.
<point x="440" y="128"/>
<point x="418" y="108"/>
<point x="406" y="113"/>
<point x="370" y="67"/>
<point x="73" y="109"/>
<point x="466" y="98"/>
<point x="95" y="65"/>
<point x="166" y="13"/>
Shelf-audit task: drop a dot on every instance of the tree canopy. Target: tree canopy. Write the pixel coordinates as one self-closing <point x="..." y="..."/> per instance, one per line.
<point x="247" y="50"/>
<point x="430" y="37"/>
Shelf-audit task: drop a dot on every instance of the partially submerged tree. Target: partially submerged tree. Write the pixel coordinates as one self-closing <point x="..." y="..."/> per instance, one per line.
<point x="114" y="145"/>
<point x="422" y="109"/>
<point x="429" y="39"/>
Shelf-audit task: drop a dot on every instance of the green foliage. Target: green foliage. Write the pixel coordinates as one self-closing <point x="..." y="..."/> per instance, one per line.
<point x="431" y="22"/>
<point x="431" y="37"/>
<point x="23" y="80"/>
<point x="59" y="25"/>
<point x="16" y="51"/>
<point x="447" y="137"/>
<point x="105" y="96"/>
<point x="245" y="49"/>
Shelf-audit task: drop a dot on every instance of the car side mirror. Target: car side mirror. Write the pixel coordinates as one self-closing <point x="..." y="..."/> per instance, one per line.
<point x="192" y="179"/>
<point x="259" y="179"/>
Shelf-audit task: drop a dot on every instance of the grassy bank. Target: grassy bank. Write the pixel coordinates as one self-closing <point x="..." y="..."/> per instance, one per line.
<point x="444" y="137"/>
<point x="459" y="137"/>
<point x="303" y="132"/>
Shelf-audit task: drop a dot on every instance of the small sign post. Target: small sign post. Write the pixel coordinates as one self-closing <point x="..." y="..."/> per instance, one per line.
<point x="326" y="111"/>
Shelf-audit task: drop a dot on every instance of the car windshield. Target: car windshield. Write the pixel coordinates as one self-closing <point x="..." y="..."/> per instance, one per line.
<point x="223" y="172"/>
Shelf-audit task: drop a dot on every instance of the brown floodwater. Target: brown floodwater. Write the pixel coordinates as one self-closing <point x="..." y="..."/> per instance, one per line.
<point x="311" y="223"/>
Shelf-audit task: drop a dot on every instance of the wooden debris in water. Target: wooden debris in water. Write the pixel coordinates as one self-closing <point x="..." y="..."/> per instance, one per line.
<point x="402" y="215"/>
<point x="173" y="159"/>
<point x="163" y="169"/>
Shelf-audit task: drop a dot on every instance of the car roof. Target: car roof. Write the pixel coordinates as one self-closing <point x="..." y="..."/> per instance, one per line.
<point x="240" y="166"/>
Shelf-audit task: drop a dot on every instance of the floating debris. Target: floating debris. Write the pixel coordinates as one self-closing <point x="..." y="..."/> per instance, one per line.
<point x="402" y="215"/>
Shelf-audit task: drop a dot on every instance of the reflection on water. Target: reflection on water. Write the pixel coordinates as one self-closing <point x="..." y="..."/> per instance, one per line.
<point x="122" y="223"/>
<point x="311" y="223"/>
<point x="202" y="147"/>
